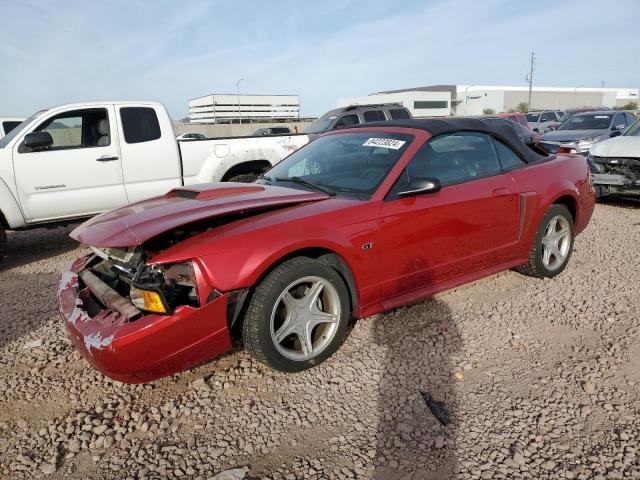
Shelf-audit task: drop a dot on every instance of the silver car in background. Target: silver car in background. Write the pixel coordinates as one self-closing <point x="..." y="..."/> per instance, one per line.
<point x="540" y="121"/>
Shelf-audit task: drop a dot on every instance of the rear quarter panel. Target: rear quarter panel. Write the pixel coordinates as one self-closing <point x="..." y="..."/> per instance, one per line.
<point x="542" y="184"/>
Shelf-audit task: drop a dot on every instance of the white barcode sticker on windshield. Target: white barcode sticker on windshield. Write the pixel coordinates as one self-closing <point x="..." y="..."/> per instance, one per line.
<point x="391" y="143"/>
<point x="601" y="116"/>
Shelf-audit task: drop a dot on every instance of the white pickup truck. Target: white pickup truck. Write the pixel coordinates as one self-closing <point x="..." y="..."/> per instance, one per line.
<point x="73" y="161"/>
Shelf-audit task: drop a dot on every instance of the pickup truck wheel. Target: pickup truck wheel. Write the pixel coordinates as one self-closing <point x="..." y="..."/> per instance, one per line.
<point x="297" y="316"/>
<point x="552" y="245"/>
<point x="3" y="242"/>
<point x="244" y="178"/>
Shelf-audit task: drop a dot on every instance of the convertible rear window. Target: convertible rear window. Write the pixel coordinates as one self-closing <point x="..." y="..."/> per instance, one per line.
<point x="350" y="163"/>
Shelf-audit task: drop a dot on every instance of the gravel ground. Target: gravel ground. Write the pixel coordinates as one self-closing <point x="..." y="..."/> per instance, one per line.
<point x="540" y="380"/>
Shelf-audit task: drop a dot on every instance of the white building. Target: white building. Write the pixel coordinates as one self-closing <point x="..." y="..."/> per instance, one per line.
<point x="459" y="100"/>
<point x="474" y="99"/>
<point x="419" y="103"/>
<point x="217" y="108"/>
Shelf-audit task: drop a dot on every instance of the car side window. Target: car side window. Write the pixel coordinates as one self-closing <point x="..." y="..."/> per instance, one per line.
<point x="628" y="117"/>
<point x="9" y="125"/>
<point x="508" y="158"/>
<point x="373" y="115"/>
<point x="78" y="129"/>
<point x="139" y="124"/>
<point x="451" y="158"/>
<point x="618" y="120"/>
<point x="399" y="113"/>
<point x="347" y="121"/>
<point x="547" y="117"/>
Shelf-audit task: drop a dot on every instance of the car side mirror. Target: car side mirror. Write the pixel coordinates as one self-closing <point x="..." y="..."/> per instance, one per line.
<point x="419" y="186"/>
<point x="616" y="133"/>
<point x="37" y="140"/>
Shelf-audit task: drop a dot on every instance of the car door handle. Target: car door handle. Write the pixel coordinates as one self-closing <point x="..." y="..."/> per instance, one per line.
<point x="106" y="158"/>
<point x="500" y="192"/>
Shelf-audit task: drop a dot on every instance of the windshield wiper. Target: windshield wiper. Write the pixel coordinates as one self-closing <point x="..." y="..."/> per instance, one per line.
<point x="302" y="181"/>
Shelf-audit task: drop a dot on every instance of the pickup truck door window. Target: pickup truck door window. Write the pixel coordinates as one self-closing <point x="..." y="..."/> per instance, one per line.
<point x="55" y="182"/>
<point x="467" y="226"/>
<point x="151" y="155"/>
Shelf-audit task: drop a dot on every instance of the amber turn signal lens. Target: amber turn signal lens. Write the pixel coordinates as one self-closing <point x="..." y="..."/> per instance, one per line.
<point x="147" y="300"/>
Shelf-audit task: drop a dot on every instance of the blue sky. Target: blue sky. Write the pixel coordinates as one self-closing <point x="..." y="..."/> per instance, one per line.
<point x="59" y="52"/>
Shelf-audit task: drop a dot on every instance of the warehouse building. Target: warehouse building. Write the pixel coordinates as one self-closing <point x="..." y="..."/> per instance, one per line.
<point x="459" y="100"/>
<point x="230" y="108"/>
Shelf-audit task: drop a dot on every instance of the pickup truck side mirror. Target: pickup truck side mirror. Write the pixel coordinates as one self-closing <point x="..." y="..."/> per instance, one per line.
<point x="616" y="133"/>
<point x="37" y="140"/>
<point x="419" y="186"/>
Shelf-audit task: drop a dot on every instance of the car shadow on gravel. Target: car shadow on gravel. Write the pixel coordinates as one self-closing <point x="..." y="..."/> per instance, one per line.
<point x="28" y="281"/>
<point x="417" y="406"/>
<point x="29" y="246"/>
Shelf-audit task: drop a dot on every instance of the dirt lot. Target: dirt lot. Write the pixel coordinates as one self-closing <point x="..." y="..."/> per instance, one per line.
<point x="541" y="380"/>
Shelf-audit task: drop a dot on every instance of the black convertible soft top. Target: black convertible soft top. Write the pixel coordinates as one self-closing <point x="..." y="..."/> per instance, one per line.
<point x="437" y="126"/>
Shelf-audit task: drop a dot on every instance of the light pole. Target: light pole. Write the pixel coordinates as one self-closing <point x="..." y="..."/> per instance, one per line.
<point x="238" y="90"/>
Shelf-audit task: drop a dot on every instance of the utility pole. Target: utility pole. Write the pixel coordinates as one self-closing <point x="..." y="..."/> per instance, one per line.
<point x="531" y="79"/>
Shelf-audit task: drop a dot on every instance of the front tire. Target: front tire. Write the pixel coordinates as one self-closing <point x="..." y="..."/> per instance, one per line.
<point x="297" y="316"/>
<point x="552" y="245"/>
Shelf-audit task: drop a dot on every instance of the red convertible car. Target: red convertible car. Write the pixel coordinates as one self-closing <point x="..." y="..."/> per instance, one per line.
<point x="357" y="222"/>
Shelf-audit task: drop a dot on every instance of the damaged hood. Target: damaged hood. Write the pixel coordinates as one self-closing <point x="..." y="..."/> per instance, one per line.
<point x="136" y="223"/>
<point x="617" y="147"/>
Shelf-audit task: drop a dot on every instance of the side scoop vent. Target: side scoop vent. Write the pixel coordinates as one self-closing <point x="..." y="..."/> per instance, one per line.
<point x="209" y="193"/>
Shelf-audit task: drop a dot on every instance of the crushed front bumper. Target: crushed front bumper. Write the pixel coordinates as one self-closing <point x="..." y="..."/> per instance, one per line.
<point x="145" y="349"/>
<point x="612" y="184"/>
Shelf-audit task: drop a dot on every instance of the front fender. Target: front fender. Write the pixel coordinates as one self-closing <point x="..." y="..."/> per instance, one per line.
<point x="10" y="208"/>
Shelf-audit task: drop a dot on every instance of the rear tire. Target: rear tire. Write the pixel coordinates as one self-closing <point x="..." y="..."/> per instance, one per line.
<point x="3" y="242"/>
<point x="552" y="245"/>
<point x="244" y="178"/>
<point x="297" y="315"/>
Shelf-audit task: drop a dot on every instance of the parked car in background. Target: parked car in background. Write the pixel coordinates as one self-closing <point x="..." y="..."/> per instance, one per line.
<point x="540" y="121"/>
<point x="272" y="131"/>
<point x="615" y="163"/>
<point x="9" y="123"/>
<point x="581" y="131"/>
<point x="526" y="136"/>
<point x="74" y="161"/>
<point x="357" y="222"/>
<point x="191" y="136"/>
<point x="515" y="117"/>
<point x="344" y="117"/>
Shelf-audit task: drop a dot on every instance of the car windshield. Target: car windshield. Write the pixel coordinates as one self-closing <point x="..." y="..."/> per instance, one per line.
<point x="633" y="130"/>
<point x="532" y="117"/>
<point x="4" y="141"/>
<point x="596" y="121"/>
<point x="322" y="124"/>
<point x="349" y="163"/>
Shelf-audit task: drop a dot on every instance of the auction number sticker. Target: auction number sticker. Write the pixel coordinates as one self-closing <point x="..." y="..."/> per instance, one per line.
<point x="391" y="143"/>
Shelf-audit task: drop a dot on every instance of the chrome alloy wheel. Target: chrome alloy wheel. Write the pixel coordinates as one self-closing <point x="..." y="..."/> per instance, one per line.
<point x="556" y="242"/>
<point x="305" y="318"/>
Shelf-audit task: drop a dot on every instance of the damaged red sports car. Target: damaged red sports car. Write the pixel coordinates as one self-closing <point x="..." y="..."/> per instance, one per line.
<point x="357" y="222"/>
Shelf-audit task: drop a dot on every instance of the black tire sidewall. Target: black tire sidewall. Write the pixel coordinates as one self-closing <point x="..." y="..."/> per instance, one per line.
<point x="553" y="211"/>
<point x="3" y="242"/>
<point x="270" y="289"/>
